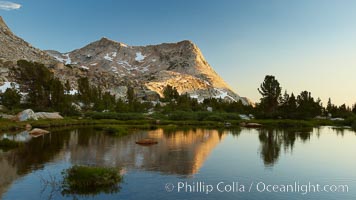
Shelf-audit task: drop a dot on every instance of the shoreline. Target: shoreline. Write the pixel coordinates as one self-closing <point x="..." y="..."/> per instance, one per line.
<point x="8" y="125"/>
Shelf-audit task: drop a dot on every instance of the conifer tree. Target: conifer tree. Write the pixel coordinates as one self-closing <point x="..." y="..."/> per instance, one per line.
<point x="11" y="98"/>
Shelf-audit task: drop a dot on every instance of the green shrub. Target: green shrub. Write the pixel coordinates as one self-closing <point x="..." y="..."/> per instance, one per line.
<point x="180" y="115"/>
<point x="158" y="115"/>
<point x="116" y="130"/>
<point x="90" y="180"/>
<point x="113" y="115"/>
<point x="170" y="128"/>
<point x="203" y="116"/>
<point x="230" y="116"/>
<point x="217" y="118"/>
<point x="200" y="116"/>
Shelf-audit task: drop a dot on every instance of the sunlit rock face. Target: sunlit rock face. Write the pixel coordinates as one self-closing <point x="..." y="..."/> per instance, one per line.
<point x="114" y="66"/>
<point x="149" y="68"/>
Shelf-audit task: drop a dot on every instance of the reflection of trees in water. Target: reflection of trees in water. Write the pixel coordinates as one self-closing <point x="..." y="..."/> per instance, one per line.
<point x="30" y="156"/>
<point x="235" y="132"/>
<point x="339" y="131"/>
<point x="35" y="153"/>
<point x="273" y="140"/>
<point x="271" y="145"/>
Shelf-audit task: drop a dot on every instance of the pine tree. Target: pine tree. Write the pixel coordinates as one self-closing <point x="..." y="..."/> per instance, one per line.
<point x="84" y="92"/>
<point x="307" y="107"/>
<point x="121" y="106"/>
<point x="271" y="93"/>
<point x="35" y="80"/>
<point x="57" y="96"/>
<point x="11" y="98"/>
<point x="170" y="93"/>
<point x="67" y="87"/>
<point x="130" y="95"/>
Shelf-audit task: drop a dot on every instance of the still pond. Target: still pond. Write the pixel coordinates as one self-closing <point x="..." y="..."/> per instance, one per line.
<point x="196" y="163"/>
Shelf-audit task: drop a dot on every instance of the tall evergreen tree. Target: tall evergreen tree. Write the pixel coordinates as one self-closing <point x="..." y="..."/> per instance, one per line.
<point x="271" y="93"/>
<point x="67" y="87"/>
<point x="57" y="96"/>
<point x="11" y="98"/>
<point x="84" y="92"/>
<point x="331" y="108"/>
<point x="354" y="108"/>
<point x="35" y="80"/>
<point x="307" y="107"/>
<point x="170" y="93"/>
<point x="130" y="95"/>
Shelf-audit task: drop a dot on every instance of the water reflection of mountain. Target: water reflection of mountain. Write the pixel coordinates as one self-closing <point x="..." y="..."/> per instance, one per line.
<point x="272" y="140"/>
<point x="8" y="174"/>
<point x="181" y="152"/>
<point x="177" y="152"/>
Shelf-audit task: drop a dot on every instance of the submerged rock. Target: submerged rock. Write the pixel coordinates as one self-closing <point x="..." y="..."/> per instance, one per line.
<point x="147" y="141"/>
<point x="38" y="132"/>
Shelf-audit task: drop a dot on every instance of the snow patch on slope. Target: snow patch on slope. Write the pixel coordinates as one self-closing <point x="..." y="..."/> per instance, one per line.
<point x="139" y="57"/>
<point x="73" y="92"/>
<point x="110" y="58"/>
<point x="197" y="97"/>
<point x="84" y="67"/>
<point x="66" y="60"/>
<point x="222" y="94"/>
<point x="8" y="85"/>
<point x="114" y="69"/>
<point x="122" y="62"/>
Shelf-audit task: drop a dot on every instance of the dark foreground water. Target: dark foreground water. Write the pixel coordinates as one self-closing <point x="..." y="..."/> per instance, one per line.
<point x="191" y="164"/>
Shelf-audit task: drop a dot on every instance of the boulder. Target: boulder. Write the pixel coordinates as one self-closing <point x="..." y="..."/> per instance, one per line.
<point x="38" y="132"/>
<point x="5" y="116"/>
<point x="244" y="117"/>
<point x="29" y="114"/>
<point x="147" y="142"/>
<point x="48" y="115"/>
<point x="250" y="125"/>
<point x="26" y="115"/>
<point x="76" y="107"/>
<point x="253" y="125"/>
<point x="337" y="119"/>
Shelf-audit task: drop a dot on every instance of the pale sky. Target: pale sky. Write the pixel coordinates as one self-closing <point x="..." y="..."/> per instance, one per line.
<point x="307" y="44"/>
